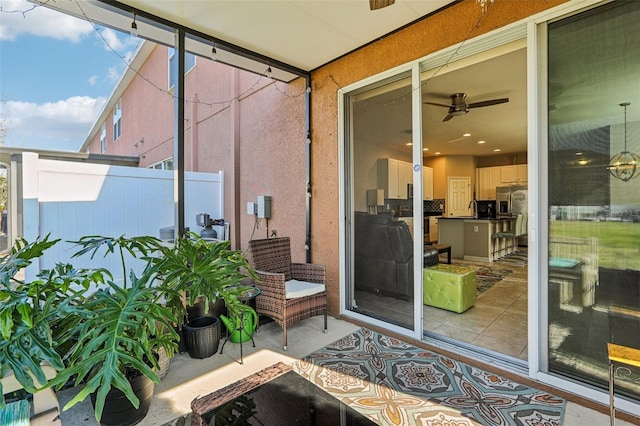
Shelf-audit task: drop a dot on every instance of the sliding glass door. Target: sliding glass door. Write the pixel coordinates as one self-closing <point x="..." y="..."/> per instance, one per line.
<point x="594" y="196"/>
<point x="379" y="202"/>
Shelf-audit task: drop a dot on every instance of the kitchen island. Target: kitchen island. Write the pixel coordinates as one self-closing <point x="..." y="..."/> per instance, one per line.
<point x="471" y="238"/>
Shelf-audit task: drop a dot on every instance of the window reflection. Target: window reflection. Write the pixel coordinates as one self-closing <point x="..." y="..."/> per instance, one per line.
<point x="594" y="219"/>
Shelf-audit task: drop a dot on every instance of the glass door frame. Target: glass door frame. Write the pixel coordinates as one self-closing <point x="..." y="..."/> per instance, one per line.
<point x="538" y="173"/>
<point x="345" y="159"/>
<point x="534" y="30"/>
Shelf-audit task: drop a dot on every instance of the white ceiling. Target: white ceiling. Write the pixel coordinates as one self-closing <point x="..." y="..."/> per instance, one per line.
<point x="502" y="126"/>
<point x="484" y="77"/>
<point x="303" y="33"/>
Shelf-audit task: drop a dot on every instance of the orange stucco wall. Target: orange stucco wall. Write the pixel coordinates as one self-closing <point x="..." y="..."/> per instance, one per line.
<point x="432" y="34"/>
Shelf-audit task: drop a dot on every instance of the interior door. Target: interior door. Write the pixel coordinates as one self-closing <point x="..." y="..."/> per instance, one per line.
<point x="459" y="195"/>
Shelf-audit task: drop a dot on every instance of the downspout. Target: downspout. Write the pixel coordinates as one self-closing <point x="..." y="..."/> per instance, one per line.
<point x="308" y="165"/>
<point x="237" y="164"/>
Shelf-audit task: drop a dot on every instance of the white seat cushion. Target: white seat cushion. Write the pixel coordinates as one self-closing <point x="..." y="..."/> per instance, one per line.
<point x="295" y="289"/>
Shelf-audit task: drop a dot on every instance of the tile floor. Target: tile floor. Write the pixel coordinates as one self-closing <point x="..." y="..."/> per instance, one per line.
<point x="497" y="321"/>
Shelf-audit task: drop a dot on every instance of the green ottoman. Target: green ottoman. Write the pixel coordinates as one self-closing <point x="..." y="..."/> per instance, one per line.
<point x="450" y="287"/>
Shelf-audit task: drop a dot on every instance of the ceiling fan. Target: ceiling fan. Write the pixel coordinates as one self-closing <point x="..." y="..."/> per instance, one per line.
<point x="379" y="4"/>
<point x="459" y="106"/>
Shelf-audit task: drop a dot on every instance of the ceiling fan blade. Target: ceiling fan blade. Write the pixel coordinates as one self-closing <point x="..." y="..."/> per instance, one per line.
<point x="437" y="104"/>
<point x="457" y="140"/>
<point x="488" y="103"/>
<point x="379" y="4"/>
<point x="447" y="118"/>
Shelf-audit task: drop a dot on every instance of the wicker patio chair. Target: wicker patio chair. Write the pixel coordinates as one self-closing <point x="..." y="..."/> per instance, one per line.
<point x="290" y="292"/>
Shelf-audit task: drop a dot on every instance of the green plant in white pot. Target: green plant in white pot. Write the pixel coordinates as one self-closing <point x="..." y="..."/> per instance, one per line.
<point x="117" y="342"/>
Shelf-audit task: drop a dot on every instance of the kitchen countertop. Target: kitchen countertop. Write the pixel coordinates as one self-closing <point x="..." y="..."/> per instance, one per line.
<point x="473" y="218"/>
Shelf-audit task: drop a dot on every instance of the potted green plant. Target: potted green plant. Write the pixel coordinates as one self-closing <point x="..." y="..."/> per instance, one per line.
<point x="117" y="337"/>
<point x="111" y="335"/>
<point x="30" y="311"/>
<point x="203" y="271"/>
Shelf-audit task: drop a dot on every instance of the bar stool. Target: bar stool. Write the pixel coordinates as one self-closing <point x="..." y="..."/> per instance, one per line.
<point x="510" y="235"/>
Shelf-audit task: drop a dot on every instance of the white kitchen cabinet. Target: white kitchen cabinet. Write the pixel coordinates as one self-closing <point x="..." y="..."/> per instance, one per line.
<point x="427" y="183"/>
<point x="393" y="177"/>
<point x="488" y="178"/>
<point x="508" y="175"/>
<point x="522" y="173"/>
<point x="405" y="177"/>
<point x="514" y="174"/>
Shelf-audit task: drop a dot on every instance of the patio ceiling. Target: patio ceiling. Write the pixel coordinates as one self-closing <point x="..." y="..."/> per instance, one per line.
<point x="290" y="36"/>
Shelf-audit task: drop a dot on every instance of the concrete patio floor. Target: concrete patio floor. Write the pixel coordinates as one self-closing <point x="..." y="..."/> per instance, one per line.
<point x="189" y="378"/>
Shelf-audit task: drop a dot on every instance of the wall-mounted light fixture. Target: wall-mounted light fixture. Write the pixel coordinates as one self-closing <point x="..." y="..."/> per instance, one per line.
<point x="484" y="4"/>
<point x="134" y="27"/>
<point x="214" y="51"/>
<point x="625" y="165"/>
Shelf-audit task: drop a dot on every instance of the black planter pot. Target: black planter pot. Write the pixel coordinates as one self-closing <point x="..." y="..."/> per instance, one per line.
<point x="118" y="410"/>
<point x="216" y="309"/>
<point x="202" y="336"/>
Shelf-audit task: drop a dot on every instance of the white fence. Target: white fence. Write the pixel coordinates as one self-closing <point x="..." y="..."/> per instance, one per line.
<point x="69" y="200"/>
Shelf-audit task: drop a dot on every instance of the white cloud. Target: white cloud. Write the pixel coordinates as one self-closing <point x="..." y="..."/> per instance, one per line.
<point x="65" y="122"/>
<point x="93" y="80"/>
<point x="21" y="17"/>
<point x="114" y="74"/>
<point x="122" y="44"/>
<point x="111" y="41"/>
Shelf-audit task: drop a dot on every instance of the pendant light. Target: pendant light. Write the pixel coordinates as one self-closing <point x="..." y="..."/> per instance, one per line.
<point x="624" y="165"/>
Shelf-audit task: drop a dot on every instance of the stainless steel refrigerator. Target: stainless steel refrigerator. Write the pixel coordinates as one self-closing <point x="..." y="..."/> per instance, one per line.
<point x="519" y="200"/>
<point x="511" y="201"/>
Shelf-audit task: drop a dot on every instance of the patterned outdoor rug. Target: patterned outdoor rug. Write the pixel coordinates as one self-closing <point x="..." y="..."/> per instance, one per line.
<point x="395" y="383"/>
<point x="487" y="276"/>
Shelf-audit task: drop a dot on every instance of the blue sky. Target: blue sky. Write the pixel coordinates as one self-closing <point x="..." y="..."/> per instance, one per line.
<point x="56" y="73"/>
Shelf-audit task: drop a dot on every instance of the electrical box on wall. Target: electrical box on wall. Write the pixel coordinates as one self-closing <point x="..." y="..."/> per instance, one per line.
<point x="264" y="206"/>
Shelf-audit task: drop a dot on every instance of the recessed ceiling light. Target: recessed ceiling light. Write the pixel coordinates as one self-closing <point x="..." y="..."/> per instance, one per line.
<point x="583" y="162"/>
<point x="578" y="153"/>
<point x="437" y="153"/>
<point x="497" y="150"/>
<point x="481" y="142"/>
<point x="409" y="143"/>
<point x="425" y="149"/>
<point x="466" y="135"/>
